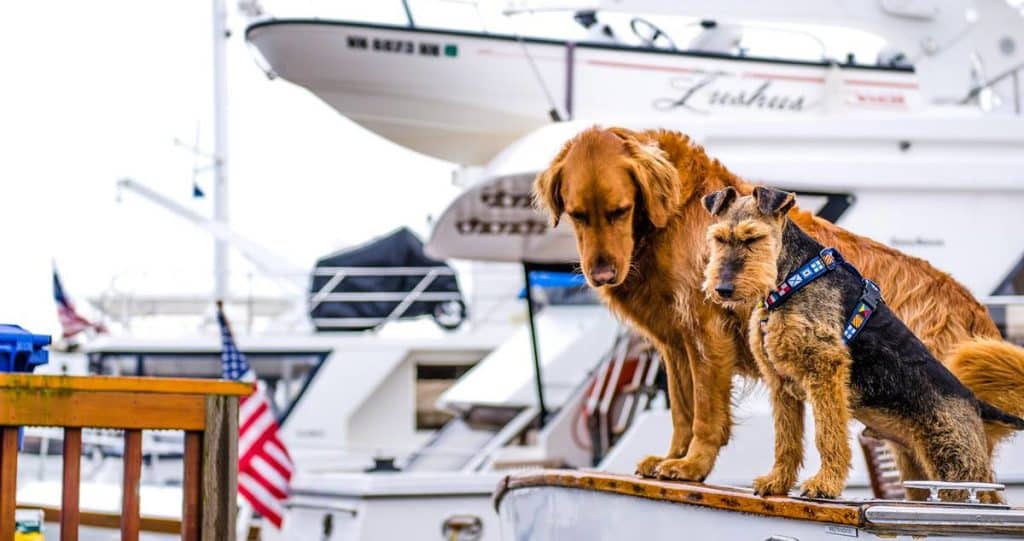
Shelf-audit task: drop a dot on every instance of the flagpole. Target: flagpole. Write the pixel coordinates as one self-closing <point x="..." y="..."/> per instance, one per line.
<point x="244" y="520"/>
<point x="220" y="146"/>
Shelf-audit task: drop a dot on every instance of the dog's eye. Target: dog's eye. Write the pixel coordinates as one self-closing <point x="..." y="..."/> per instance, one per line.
<point x="579" y="217"/>
<point x="617" y="213"/>
<point x="751" y="240"/>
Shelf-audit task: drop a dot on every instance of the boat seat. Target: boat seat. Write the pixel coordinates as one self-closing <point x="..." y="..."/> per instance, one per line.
<point x="883" y="472"/>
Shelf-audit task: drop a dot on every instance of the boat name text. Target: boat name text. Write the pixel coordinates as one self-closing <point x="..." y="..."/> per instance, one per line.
<point x="700" y="94"/>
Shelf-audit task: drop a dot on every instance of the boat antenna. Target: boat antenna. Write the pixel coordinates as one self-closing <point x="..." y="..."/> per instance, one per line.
<point x="553" y="112"/>
<point x="408" y="13"/>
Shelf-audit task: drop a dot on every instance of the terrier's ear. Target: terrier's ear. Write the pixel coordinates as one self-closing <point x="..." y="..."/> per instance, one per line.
<point x="773" y="202"/>
<point x="547" y="188"/>
<point x="718" y="202"/>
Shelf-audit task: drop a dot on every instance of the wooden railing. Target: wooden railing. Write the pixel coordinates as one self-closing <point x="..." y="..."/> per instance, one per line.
<point x="207" y="410"/>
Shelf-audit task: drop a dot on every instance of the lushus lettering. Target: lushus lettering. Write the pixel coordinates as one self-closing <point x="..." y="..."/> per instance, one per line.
<point x="701" y="94"/>
<point x="475" y="226"/>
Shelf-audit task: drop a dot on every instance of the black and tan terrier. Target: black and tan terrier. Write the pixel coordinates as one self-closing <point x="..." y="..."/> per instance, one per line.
<point x="821" y="333"/>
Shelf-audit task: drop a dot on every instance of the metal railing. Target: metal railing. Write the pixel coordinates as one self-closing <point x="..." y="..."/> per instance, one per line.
<point x="1014" y="75"/>
<point x="405" y="299"/>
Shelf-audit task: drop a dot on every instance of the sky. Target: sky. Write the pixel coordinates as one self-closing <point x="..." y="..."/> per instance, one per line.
<point x="98" y="91"/>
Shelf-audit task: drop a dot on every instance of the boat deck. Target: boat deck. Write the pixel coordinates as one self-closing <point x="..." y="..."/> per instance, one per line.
<point x="877" y="516"/>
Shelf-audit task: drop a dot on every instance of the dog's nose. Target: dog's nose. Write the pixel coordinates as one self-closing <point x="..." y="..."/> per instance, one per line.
<point x="725" y="290"/>
<point x="602" y="274"/>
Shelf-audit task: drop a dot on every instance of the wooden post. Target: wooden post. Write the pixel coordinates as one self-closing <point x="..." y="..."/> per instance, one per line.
<point x="220" y="468"/>
<point x="8" y="479"/>
<point x="69" y="509"/>
<point x="130" y="485"/>
<point x="191" y="501"/>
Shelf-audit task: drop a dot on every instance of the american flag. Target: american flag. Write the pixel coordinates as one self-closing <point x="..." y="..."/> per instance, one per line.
<point x="71" y="322"/>
<point x="264" y="466"/>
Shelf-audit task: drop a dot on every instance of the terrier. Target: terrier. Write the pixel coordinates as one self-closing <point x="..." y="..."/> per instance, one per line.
<point x="821" y="333"/>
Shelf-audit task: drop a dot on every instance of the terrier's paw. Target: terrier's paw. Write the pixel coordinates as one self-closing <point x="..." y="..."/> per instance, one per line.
<point x="773" y="484"/>
<point x="648" y="466"/>
<point x="683" y="469"/>
<point x="823" y="486"/>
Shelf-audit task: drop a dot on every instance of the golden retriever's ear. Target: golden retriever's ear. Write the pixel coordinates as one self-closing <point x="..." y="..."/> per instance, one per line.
<point x="547" y="188"/>
<point x="657" y="181"/>
<point x="718" y="202"/>
<point x="771" y="201"/>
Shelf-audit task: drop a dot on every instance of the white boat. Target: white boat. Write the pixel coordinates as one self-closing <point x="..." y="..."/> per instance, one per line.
<point x="889" y="152"/>
<point x="551" y="505"/>
<point x="463" y="96"/>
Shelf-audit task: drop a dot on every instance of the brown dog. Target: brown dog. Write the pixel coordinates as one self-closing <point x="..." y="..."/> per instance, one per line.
<point x="635" y="202"/>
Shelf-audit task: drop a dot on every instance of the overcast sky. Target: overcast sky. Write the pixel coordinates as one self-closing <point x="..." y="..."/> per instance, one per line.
<point x="96" y="91"/>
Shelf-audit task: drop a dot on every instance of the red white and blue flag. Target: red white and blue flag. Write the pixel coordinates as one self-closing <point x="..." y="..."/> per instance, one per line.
<point x="71" y="322"/>
<point x="264" y="466"/>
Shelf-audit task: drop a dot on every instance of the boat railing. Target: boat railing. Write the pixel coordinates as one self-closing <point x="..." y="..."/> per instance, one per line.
<point x="1013" y="76"/>
<point x="405" y="299"/>
<point x="206" y="410"/>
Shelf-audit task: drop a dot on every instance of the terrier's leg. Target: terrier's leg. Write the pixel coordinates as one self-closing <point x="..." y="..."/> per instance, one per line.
<point x="828" y="389"/>
<point x="712" y="390"/>
<point x="788" y="413"/>
<point x="680" y="397"/>
<point x="953" y="444"/>
<point x="910" y="470"/>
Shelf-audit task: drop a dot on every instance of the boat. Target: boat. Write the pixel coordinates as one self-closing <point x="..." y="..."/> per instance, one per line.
<point x="888" y="149"/>
<point x="464" y="95"/>
<point x="549" y="505"/>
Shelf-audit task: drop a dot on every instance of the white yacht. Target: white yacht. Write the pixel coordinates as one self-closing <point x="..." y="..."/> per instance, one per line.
<point x="920" y="147"/>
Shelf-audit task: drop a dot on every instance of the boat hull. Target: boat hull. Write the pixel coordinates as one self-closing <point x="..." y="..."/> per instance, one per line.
<point x="464" y="96"/>
<point x="554" y="504"/>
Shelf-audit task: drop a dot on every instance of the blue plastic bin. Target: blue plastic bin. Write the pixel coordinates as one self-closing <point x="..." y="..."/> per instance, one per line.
<point x="22" y="351"/>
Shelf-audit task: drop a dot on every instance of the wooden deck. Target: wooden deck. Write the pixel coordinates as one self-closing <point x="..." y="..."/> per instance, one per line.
<point x="716" y="497"/>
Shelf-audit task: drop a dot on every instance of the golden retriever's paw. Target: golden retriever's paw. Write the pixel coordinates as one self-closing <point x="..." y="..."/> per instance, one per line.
<point x="648" y="467"/>
<point x="683" y="469"/>
<point x="991" y="497"/>
<point x="773" y="484"/>
<point x="823" y="486"/>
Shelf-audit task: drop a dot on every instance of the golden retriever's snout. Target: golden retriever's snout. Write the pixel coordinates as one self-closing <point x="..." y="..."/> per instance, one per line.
<point x="725" y="290"/>
<point x="602" y="273"/>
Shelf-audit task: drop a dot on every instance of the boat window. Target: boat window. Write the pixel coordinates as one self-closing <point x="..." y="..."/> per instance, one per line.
<point x="431" y="381"/>
<point x="285" y="374"/>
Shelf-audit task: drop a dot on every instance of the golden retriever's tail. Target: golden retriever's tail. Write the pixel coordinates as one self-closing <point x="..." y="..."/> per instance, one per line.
<point x="994" y="371"/>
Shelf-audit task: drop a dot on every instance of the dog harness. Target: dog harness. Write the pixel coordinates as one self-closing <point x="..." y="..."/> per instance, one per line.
<point x="827" y="260"/>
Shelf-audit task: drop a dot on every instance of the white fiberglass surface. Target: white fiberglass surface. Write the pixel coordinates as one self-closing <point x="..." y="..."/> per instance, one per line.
<point x="571" y="340"/>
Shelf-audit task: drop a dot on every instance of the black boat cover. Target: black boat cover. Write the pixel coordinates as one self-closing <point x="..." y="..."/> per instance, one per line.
<point x="401" y="248"/>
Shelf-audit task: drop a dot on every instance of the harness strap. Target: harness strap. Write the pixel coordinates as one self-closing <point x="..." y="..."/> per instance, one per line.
<point x="827" y="260"/>
<point x="870" y="297"/>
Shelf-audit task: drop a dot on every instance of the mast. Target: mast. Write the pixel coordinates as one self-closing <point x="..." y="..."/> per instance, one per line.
<point x="220" y="147"/>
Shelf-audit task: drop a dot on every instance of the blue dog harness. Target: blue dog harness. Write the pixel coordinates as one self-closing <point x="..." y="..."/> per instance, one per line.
<point x="821" y="264"/>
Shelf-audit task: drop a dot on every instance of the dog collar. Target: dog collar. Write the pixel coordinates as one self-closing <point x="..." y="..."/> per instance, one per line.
<point x="827" y="260"/>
